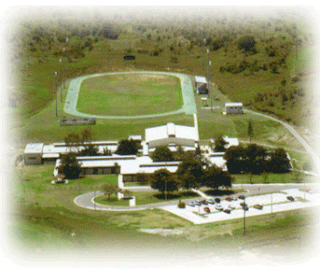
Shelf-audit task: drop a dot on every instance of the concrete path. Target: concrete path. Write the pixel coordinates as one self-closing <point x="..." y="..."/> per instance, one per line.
<point x="189" y="104"/>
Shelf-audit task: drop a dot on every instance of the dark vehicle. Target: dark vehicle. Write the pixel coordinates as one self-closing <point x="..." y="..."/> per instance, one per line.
<point x="245" y="207"/>
<point x="242" y="197"/>
<point x="290" y="198"/>
<point x="227" y="211"/>
<point x="202" y="89"/>
<point x="257" y="206"/>
<point x="206" y="209"/>
<point x="217" y="200"/>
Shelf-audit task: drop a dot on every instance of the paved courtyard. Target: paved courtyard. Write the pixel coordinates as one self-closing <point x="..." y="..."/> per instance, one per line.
<point x="272" y="203"/>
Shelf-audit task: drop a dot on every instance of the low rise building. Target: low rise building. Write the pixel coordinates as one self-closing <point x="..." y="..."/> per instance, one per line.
<point x="234" y="108"/>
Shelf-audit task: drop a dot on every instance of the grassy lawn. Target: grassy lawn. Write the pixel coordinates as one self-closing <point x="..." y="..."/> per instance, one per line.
<point x="130" y="94"/>
<point x="143" y="198"/>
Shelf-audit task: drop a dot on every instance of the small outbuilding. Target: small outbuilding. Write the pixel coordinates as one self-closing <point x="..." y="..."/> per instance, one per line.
<point x="201" y="85"/>
<point x="234" y="108"/>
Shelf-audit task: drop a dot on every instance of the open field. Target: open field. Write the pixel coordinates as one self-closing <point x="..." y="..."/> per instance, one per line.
<point x="129" y="94"/>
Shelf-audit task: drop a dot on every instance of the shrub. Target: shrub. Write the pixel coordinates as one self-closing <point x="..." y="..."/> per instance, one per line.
<point x="181" y="205"/>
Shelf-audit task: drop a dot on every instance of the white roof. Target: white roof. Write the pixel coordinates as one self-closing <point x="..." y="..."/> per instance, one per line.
<point x="218" y="161"/>
<point x="234" y="104"/>
<point x="34" y="148"/>
<point x="164" y="131"/>
<point x="201" y="79"/>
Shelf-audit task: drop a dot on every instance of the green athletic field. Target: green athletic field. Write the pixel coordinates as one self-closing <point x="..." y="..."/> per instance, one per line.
<point x="129" y="94"/>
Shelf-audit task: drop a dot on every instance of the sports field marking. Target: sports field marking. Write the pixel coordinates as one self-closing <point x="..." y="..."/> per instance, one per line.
<point x="189" y="105"/>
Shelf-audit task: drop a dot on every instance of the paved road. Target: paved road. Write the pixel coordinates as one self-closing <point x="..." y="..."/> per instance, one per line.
<point x="86" y="200"/>
<point x="309" y="150"/>
<point x="189" y="104"/>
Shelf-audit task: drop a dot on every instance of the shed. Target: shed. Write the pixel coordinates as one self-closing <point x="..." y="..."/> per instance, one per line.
<point x="234" y="108"/>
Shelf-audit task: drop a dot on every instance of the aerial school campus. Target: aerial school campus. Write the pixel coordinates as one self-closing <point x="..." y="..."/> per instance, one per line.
<point x="144" y="141"/>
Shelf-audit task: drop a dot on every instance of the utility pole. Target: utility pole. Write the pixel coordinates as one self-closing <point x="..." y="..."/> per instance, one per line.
<point x="244" y="217"/>
<point x="56" y="91"/>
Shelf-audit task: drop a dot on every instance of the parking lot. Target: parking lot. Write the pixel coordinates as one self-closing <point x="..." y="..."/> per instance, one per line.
<point x="271" y="203"/>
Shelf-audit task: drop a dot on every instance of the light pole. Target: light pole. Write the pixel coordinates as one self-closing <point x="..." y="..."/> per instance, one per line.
<point x="56" y="91"/>
<point x="165" y="186"/>
<point x="244" y="216"/>
<point x="271" y="203"/>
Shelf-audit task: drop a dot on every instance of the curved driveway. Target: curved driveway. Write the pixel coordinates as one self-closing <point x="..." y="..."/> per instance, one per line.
<point x="189" y="104"/>
<point x="86" y="200"/>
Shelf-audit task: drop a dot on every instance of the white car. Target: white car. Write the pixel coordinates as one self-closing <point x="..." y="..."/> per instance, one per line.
<point x="219" y="207"/>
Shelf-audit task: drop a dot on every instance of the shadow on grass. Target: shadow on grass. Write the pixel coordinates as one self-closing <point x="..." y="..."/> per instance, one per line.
<point x="219" y="192"/>
<point x="180" y="195"/>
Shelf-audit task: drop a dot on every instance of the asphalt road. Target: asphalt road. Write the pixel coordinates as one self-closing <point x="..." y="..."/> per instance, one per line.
<point x="86" y="200"/>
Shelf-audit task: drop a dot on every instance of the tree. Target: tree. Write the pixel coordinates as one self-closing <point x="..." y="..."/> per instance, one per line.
<point x="180" y="153"/>
<point x="255" y="157"/>
<point x="70" y="166"/>
<point x="246" y="42"/>
<point x="109" y="189"/>
<point x="163" y="181"/>
<point x="127" y="147"/>
<point x="219" y="144"/>
<point x="235" y="157"/>
<point x="279" y="162"/>
<point x="190" y="173"/>
<point x="143" y="179"/>
<point x="214" y="178"/>
<point x="162" y="154"/>
<point x="250" y="131"/>
<point x="72" y="142"/>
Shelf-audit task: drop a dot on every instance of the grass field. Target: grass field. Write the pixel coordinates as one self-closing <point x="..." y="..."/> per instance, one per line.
<point x="130" y="94"/>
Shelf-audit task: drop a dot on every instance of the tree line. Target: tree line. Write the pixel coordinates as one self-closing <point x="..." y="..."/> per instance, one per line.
<point x="256" y="159"/>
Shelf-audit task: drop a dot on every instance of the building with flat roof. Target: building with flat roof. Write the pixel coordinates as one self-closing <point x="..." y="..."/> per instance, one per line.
<point x="33" y="153"/>
<point x="234" y="108"/>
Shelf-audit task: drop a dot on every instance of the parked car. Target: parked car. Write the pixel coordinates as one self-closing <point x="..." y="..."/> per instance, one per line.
<point x="219" y="207"/>
<point x="231" y="207"/>
<point x="257" y="206"/>
<point x="191" y="204"/>
<point x="217" y="200"/>
<point x="206" y="209"/>
<point x="234" y="198"/>
<point x="229" y="199"/>
<point x="204" y="202"/>
<point x="198" y="203"/>
<point x="242" y="197"/>
<point x="227" y="210"/>
<point x="290" y="198"/>
<point x="210" y="201"/>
